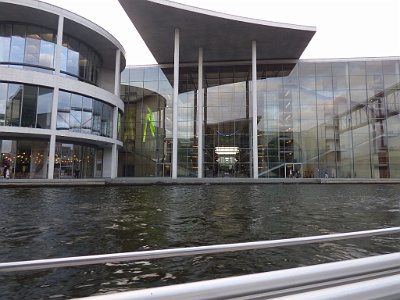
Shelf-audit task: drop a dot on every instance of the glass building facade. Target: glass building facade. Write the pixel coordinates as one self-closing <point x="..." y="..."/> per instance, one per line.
<point x="59" y="102"/>
<point x="336" y="118"/>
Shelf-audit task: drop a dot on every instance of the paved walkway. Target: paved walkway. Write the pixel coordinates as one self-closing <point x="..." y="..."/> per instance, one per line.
<point x="139" y="181"/>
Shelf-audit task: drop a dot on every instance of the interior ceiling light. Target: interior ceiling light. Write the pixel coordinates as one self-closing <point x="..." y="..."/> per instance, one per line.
<point x="226" y="150"/>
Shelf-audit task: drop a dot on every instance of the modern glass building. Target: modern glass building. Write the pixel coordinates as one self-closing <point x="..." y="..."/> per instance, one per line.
<point x="59" y="93"/>
<point x="229" y="97"/>
<point x="226" y="101"/>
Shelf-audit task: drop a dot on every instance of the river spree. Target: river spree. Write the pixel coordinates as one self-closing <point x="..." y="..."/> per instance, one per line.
<point x="40" y="223"/>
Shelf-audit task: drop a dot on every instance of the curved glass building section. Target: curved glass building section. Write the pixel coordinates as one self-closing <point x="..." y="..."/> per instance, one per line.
<point x="79" y="61"/>
<point x="33" y="47"/>
<point x="146" y="126"/>
<point x="27" y="46"/>
<point x="59" y="96"/>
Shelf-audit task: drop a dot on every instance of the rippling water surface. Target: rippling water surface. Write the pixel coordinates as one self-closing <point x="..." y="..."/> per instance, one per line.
<point x="54" y="222"/>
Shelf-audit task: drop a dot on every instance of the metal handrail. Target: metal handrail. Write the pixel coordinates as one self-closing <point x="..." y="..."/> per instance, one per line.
<point x="374" y="277"/>
<point x="179" y="252"/>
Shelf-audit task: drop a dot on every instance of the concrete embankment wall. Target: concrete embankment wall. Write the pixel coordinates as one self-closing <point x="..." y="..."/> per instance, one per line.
<point x="16" y="183"/>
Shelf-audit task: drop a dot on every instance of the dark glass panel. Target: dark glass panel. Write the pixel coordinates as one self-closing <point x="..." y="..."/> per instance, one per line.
<point x="64" y="101"/>
<point x="44" y="107"/>
<point x="83" y="61"/>
<point x="374" y="68"/>
<point x="339" y="69"/>
<point x="357" y="68"/>
<point x="151" y="74"/>
<point x="63" y="120"/>
<point x="323" y="69"/>
<point x="97" y="112"/>
<point x="87" y="104"/>
<point x="358" y="82"/>
<point x="76" y="102"/>
<point x="29" y="105"/>
<point x="391" y="66"/>
<point x="3" y="102"/>
<point x="64" y="56"/>
<point x="75" y="121"/>
<point x="32" y="45"/>
<point x="5" y="40"/>
<point x="306" y="69"/>
<point x="18" y="43"/>
<point x="125" y="76"/>
<point x="73" y="57"/>
<point x="13" y="109"/>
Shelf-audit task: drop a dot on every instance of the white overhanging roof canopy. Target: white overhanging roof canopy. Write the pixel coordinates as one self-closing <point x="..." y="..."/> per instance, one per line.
<point x="223" y="37"/>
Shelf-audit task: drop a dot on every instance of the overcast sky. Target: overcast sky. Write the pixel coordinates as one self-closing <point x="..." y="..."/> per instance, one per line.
<point x="345" y="28"/>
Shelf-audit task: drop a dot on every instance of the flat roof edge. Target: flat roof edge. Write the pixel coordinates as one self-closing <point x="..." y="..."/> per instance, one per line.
<point x="232" y="17"/>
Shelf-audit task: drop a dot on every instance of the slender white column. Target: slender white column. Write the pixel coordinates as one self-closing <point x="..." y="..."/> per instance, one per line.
<point x="200" y="108"/>
<point x="53" y="125"/>
<point x="254" y="111"/>
<point x="117" y="80"/>
<point x="175" y="108"/>
<point x="60" y="31"/>
<point x="114" y="150"/>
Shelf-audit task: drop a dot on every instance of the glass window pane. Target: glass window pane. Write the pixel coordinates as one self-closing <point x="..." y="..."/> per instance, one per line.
<point x="3" y="102"/>
<point x="63" y="121"/>
<point x="18" y="44"/>
<point x="32" y="45"/>
<point x="83" y="63"/>
<point x="75" y="120"/>
<point x="29" y="104"/>
<point x="14" y="104"/>
<point x="5" y="40"/>
<point x="64" y="101"/>
<point x="44" y="107"/>
<point x="357" y="68"/>
<point x="76" y="102"/>
<point x="73" y="57"/>
<point x="47" y="54"/>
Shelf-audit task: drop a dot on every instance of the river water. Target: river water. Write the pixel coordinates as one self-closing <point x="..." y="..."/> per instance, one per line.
<point x="40" y="223"/>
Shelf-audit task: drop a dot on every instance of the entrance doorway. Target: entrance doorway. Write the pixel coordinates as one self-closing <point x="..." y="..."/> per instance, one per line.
<point x="293" y="170"/>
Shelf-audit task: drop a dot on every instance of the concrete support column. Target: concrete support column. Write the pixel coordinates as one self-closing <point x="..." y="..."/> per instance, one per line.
<point x="114" y="151"/>
<point x="53" y="127"/>
<point x="117" y="80"/>
<point x="200" y="111"/>
<point x="254" y="110"/>
<point x="60" y="30"/>
<point x="52" y="153"/>
<point x="175" y="108"/>
<point x="54" y="108"/>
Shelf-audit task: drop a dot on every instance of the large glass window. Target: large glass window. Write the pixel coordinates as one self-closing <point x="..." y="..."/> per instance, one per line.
<point x="78" y="61"/>
<point x="26" y="159"/>
<point x="27" y="46"/>
<point x="44" y="106"/>
<point x="82" y="114"/>
<point x="25" y="105"/>
<point x="77" y="161"/>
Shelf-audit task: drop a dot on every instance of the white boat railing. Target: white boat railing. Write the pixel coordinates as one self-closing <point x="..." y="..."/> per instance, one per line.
<point x="375" y="277"/>
<point x="188" y="251"/>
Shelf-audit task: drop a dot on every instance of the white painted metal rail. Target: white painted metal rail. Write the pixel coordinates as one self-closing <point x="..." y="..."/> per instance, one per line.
<point x="180" y="252"/>
<point x="367" y="278"/>
<point x="359" y="279"/>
